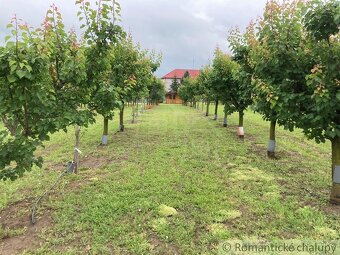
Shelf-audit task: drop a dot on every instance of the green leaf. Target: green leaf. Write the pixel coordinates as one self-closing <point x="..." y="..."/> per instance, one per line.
<point x="12" y="62"/>
<point x="9" y="44"/>
<point x="11" y="78"/>
<point x="29" y="76"/>
<point x="29" y="68"/>
<point x="20" y="73"/>
<point x="338" y="96"/>
<point x="9" y="25"/>
<point x="7" y="38"/>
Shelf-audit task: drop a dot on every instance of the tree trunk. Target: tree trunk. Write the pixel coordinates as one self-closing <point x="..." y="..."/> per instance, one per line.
<point x="216" y="109"/>
<point x="225" y="120"/>
<point x="105" y="132"/>
<point x="272" y="141"/>
<point x="202" y="105"/>
<point x="133" y="114"/>
<point x="76" y="150"/>
<point x="208" y="106"/>
<point x="335" y="193"/>
<point x="137" y="109"/>
<point x="121" y="119"/>
<point x="240" y="129"/>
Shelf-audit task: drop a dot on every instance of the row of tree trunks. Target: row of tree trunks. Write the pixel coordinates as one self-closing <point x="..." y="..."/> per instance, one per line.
<point x="208" y="109"/>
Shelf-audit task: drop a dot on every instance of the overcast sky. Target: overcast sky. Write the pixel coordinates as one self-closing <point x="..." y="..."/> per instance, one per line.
<point x="186" y="32"/>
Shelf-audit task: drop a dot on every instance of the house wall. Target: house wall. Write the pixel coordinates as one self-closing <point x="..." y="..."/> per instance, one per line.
<point x="170" y="100"/>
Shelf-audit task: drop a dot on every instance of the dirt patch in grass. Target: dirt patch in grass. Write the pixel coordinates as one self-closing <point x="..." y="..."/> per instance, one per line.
<point x="318" y="198"/>
<point x="94" y="162"/>
<point x="330" y="208"/>
<point x="90" y="161"/>
<point x="322" y="203"/>
<point x="59" y="167"/>
<point x="291" y="156"/>
<point x="15" y="219"/>
<point x="232" y="130"/>
<point x="199" y="230"/>
<point x="259" y="151"/>
<point x="18" y="216"/>
<point x="98" y="161"/>
<point x="161" y="247"/>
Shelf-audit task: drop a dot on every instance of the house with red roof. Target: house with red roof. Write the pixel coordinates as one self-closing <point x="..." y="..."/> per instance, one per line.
<point x="178" y="74"/>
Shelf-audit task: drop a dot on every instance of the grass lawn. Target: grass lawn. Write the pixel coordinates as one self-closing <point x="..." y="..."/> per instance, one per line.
<point x="222" y="188"/>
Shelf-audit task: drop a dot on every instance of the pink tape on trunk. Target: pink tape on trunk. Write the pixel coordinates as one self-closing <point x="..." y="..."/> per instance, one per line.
<point x="240" y="131"/>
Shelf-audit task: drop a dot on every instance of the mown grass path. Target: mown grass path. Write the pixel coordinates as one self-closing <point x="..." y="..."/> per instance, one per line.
<point x="221" y="186"/>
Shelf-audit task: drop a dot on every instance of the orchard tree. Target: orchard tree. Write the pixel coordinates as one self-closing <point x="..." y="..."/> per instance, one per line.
<point x="146" y="64"/>
<point x="205" y="86"/>
<point x="68" y="75"/>
<point x="206" y="89"/>
<point x="124" y="64"/>
<point x="101" y="35"/>
<point x="229" y="86"/>
<point x="240" y="47"/>
<point x="155" y="86"/>
<point x="156" y="90"/>
<point x="40" y="90"/>
<point x="188" y="91"/>
<point x="183" y="92"/>
<point x="280" y="63"/>
<point x="26" y="102"/>
<point x="321" y="116"/>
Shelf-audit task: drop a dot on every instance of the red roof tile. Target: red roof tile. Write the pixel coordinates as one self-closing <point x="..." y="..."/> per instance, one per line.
<point x="179" y="73"/>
